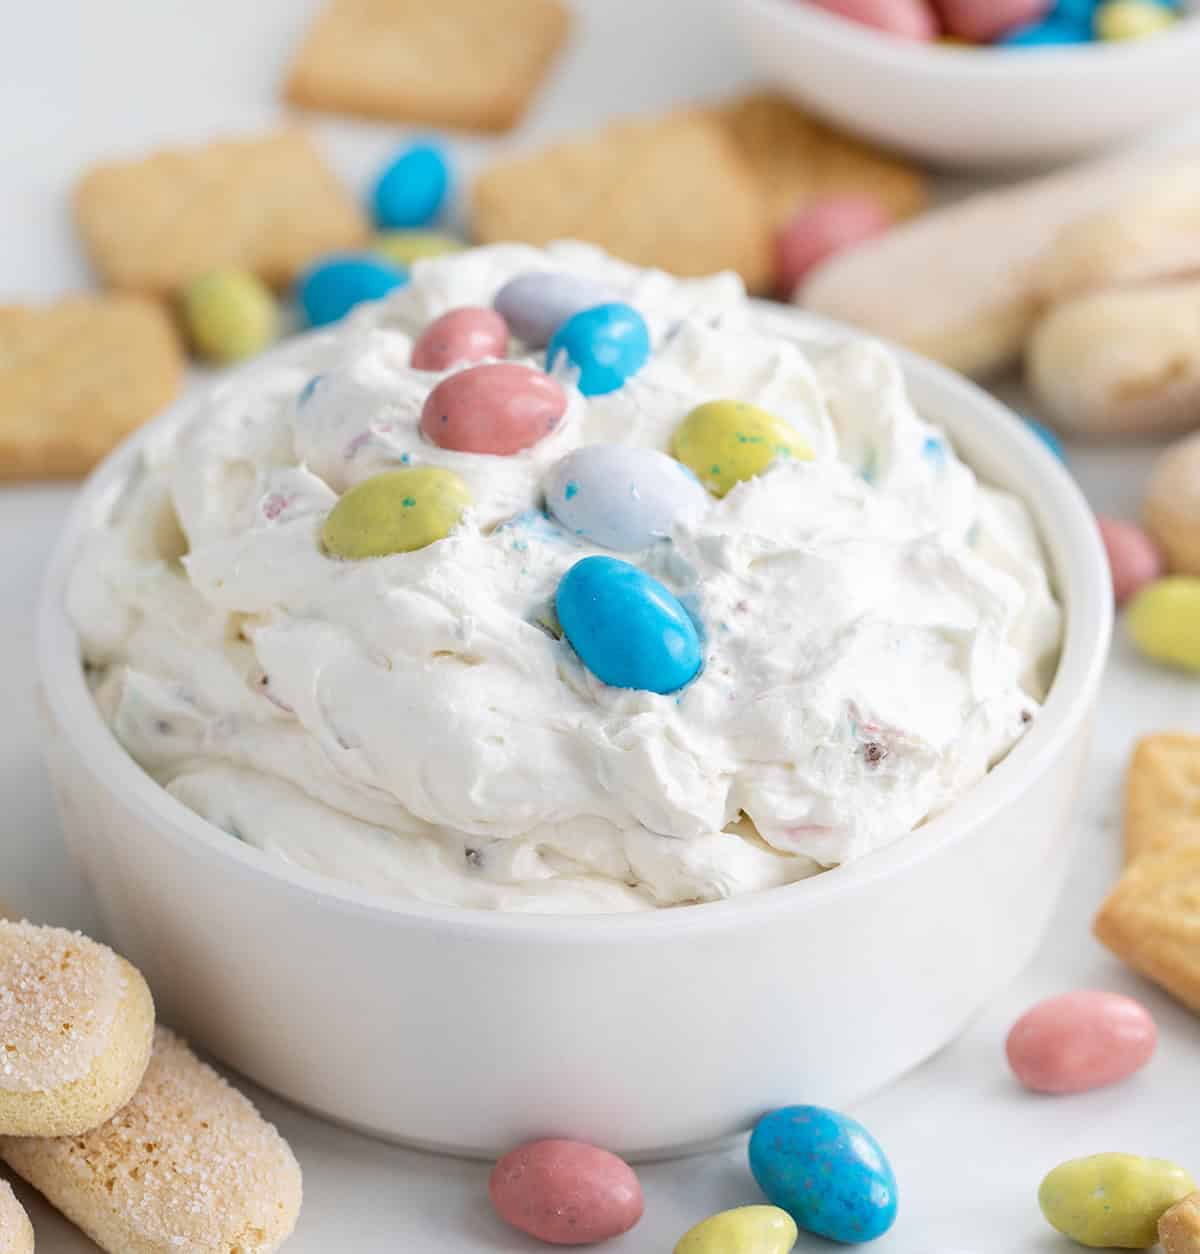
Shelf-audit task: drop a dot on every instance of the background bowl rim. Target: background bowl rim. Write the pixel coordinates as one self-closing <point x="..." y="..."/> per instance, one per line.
<point x="1083" y="585"/>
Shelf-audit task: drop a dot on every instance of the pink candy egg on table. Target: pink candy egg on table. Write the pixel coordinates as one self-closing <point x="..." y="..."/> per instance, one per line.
<point x="820" y="230"/>
<point x="984" y="20"/>
<point x="500" y="408"/>
<point x="1133" y="557"/>
<point x="1080" y="1041"/>
<point x="471" y="333"/>
<point x="909" y="19"/>
<point x="566" y="1192"/>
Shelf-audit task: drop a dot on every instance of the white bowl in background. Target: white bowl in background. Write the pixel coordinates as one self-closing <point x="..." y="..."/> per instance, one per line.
<point x="972" y="106"/>
<point x="469" y="1031"/>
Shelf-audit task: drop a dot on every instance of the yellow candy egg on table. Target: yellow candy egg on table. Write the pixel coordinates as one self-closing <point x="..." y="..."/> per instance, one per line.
<point x="395" y="512"/>
<point x="402" y="248"/>
<point x="746" y="1230"/>
<point x="1132" y="19"/>
<point x="724" y="443"/>
<point x="1164" y="621"/>
<point x="229" y="314"/>
<point x="1112" y="1200"/>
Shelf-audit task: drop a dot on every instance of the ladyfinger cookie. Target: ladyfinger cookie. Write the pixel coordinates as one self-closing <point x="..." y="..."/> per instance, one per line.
<point x="16" y="1232"/>
<point x="76" y="1024"/>
<point x="189" y="1166"/>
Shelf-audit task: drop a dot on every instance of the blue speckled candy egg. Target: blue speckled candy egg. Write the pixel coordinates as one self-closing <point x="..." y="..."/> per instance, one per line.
<point x="827" y="1171"/>
<point x="628" y="630"/>
<point x="328" y="290"/>
<point x="1049" y="33"/>
<point x="536" y="304"/>
<point x="621" y="497"/>
<point x="607" y="345"/>
<point x="411" y="189"/>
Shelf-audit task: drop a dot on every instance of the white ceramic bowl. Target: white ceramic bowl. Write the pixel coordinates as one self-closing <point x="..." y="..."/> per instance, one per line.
<point x="972" y="106"/>
<point x="469" y="1031"/>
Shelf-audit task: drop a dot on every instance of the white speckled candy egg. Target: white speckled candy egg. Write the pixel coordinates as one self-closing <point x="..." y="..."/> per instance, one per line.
<point x="621" y="497"/>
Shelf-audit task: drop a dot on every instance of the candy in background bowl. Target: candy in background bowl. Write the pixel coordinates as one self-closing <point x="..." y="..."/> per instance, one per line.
<point x="973" y="106"/>
<point x="651" y="1034"/>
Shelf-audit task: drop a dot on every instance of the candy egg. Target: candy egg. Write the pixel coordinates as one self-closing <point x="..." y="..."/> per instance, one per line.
<point x="402" y="248"/>
<point x="606" y="344"/>
<point x="1080" y="1041"/>
<point x="331" y="288"/>
<point x="909" y="19"/>
<point x="985" y="20"/>
<point x="827" y="1171"/>
<point x="395" y="512"/>
<point x="536" y="304"/>
<point x="1050" y="33"/>
<point x="412" y="187"/>
<point x="500" y="408"/>
<point x="566" y="1192"/>
<point x="822" y="229"/>
<point x="1133" y="558"/>
<point x="622" y="497"/>
<point x="1172" y="505"/>
<point x="1048" y="437"/>
<point x="1112" y="1199"/>
<point x="746" y="1230"/>
<point x="1132" y="19"/>
<point x="471" y="333"/>
<point x="1164" y="621"/>
<point x="726" y="442"/>
<point x="628" y="630"/>
<point x="229" y="314"/>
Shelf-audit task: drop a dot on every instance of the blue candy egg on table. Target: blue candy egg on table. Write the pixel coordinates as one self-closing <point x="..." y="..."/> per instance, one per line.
<point x="607" y="345"/>
<point x="621" y="497"/>
<point x="827" y="1171"/>
<point x="536" y="304"/>
<point x="1074" y="12"/>
<point x="629" y="630"/>
<point x="1048" y="437"/>
<point x="1052" y="32"/>
<point x="328" y="290"/>
<point x="412" y="188"/>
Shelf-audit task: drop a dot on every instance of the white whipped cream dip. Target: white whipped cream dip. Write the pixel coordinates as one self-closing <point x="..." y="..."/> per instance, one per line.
<point x="878" y="627"/>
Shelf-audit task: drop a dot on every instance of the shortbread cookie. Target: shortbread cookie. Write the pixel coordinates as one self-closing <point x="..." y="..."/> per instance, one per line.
<point x="1179" y="1228"/>
<point x="16" y="1232"/>
<point x="465" y="63"/>
<point x="960" y="283"/>
<point x="1151" y="919"/>
<point x="188" y="1165"/>
<point x="1162" y="794"/>
<point x="76" y="1023"/>
<point x="78" y="376"/>
<point x="1121" y="361"/>
<point x="1151" y="233"/>
<point x="269" y="204"/>
<point x="796" y="159"/>
<point x="672" y="193"/>
<point x="1171" y="508"/>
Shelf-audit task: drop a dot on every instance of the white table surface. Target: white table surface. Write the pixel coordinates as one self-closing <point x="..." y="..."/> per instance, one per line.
<point x="84" y="80"/>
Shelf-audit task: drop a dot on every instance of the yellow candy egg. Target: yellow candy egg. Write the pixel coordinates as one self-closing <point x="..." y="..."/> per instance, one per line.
<point x="726" y="442"/>
<point x="1132" y="19"/>
<point x="1164" y="621"/>
<point x="395" y="512"/>
<point x="1112" y="1200"/>
<point x="402" y="248"/>
<point x="229" y="314"/>
<point x="747" y="1230"/>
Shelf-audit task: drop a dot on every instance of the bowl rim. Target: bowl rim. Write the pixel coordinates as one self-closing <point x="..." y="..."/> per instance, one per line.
<point x="1080" y="570"/>
<point x="987" y="60"/>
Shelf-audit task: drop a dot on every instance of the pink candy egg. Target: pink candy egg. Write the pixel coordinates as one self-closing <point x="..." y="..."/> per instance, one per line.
<point x="909" y="19"/>
<point x="984" y="20"/>
<point x="566" y="1192"/>
<point x="822" y="229"/>
<point x="1080" y="1041"/>
<point x="499" y="408"/>
<point x="1133" y="557"/>
<point x="468" y="334"/>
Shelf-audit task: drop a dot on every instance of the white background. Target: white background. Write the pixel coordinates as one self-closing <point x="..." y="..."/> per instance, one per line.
<point x="83" y="80"/>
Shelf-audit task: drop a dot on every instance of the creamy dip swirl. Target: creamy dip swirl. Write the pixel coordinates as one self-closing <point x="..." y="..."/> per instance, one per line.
<point x="878" y="627"/>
